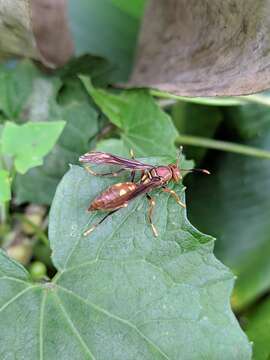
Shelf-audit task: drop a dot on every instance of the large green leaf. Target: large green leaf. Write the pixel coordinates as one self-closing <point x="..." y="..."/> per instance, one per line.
<point x="29" y="143"/>
<point x="257" y="325"/>
<point x="120" y="292"/>
<point x="233" y="204"/>
<point x="249" y="120"/>
<point x="145" y="127"/>
<point x="38" y="185"/>
<point x="106" y="28"/>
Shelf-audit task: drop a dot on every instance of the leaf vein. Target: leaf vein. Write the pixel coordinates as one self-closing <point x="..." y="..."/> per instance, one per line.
<point x="42" y="308"/>
<point x="73" y="328"/>
<point x="115" y="317"/>
<point x="9" y="302"/>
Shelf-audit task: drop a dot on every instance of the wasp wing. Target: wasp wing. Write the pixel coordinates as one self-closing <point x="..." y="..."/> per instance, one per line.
<point x="98" y="157"/>
<point x="144" y="188"/>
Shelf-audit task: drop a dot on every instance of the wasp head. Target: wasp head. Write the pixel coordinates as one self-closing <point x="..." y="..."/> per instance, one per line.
<point x="176" y="175"/>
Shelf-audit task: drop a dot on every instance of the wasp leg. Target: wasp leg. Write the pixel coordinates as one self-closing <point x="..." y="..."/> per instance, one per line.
<point x="115" y="173"/>
<point x="131" y="152"/>
<point x="152" y="204"/>
<point x="93" y="227"/>
<point x="173" y="193"/>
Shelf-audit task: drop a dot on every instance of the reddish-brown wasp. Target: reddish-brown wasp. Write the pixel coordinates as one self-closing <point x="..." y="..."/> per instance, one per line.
<point x="118" y="195"/>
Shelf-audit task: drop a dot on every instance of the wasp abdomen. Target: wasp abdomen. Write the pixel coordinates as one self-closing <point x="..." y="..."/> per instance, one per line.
<point x="114" y="197"/>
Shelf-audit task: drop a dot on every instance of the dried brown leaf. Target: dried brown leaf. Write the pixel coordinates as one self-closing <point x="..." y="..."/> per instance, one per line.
<point x="50" y="27"/>
<point x="204" y="48"/>
<point x="16" y="37"/>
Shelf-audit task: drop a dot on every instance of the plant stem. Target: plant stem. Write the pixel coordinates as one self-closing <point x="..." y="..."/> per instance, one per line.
<point x="37" y="230"/>
<point x="260" y="99"/>
<point x="222" y="145"/>
<point x="256" y="99"/>
<point x="4" y="212"/>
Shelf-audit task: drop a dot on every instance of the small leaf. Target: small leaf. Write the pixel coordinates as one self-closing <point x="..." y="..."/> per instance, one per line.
<point x="5" y="189"/>
<point x="16" y="86"/>
<point x="30" y="142"/>
<point x="38" y="184"/>
<point x="145" y="127"/>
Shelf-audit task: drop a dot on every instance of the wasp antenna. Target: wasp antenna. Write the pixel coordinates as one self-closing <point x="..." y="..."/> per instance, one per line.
<point x="204" y="171"/>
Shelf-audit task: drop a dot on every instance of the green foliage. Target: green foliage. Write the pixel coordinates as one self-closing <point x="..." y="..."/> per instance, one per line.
<point x="16" y="85"/>
<point x="238" y="185"/>
<point x="111" y="33"/>
<point x="185" y="116"/>
<point x="5" y="193"/>
<point x="120" y="292"/>
<point x="146" y="128"/>
<point x="241" y="119"/>
<point x="29" y="143"/>
<point x="39" y="184"/>
<point x="48" y="99"/>
<point x="134" y="8"/>
<point x="257" y="325"/>
<point x="114" y="293"/>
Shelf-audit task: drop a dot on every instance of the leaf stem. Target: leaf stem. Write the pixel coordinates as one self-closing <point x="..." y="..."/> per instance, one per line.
<point x="222" y="145"/>
<point x="4" y="212"/>
<point x="256" y="99"/>
<point x="37" y="230"/>
<point x="169" y="99"/>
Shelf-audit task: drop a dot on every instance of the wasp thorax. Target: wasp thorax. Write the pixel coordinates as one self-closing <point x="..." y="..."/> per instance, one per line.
<point x="164" y="172"/>
<point x="176" y="175"/>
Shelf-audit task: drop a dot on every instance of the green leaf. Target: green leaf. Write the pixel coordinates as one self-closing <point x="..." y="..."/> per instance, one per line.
<point x="121" y="291"/>
<point x="145" y="127"/>
<point x="11" y="269"/>
<point x="38" y="185"/>
<point x="257" y="328"/>
<point x="233" y="205"/>
<point x="103" y="28"/>
<point x="198" y="120"/>
<point x="16" y="86"/>
<point x="113" y="146"/>
<point x="248" y="121"/>
<point x="30" y="142"/>
<point x="134" y="8"/>
<point x="5" y="190"/>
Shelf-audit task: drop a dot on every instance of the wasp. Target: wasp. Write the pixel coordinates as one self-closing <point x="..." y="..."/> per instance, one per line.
<point x="119" y="195"/>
